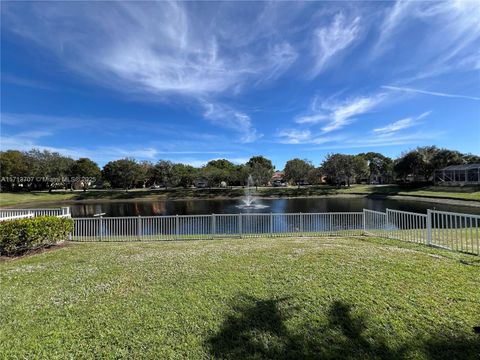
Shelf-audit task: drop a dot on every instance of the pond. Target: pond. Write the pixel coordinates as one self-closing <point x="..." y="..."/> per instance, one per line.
<point x="229" y="206"/>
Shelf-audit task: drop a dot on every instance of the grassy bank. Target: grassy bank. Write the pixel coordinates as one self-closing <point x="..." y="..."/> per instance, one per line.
<point x="466" y="193"/>
<point x="247" y="298"/>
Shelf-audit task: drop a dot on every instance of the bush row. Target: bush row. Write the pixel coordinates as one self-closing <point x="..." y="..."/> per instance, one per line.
<point x="20" y="235"/>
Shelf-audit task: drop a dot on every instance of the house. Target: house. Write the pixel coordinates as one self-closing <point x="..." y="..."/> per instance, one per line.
<point x="458" y="175"/>
<point x="200" y="183"/>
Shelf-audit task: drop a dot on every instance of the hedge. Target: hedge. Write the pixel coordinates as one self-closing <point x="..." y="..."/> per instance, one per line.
<point x="20" y="235"/>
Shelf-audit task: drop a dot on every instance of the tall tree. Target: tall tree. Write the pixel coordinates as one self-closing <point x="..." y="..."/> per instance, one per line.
<point x="164" y="173"/>
<point x="427" y="155"/>
<point x="50" y="167"/>
<point x="14" y="168"/>
<point x="409" y="163"/>
<point x="184" y="174"/>
<point x="86" y="170"/>
<point x="360" y="168"/>
<point x="339" y="168"/>
<point x="297" y="170"/>
<point x="261" y="169"/>
<point x="380" y="166"/>
<point x="121" y="173"/>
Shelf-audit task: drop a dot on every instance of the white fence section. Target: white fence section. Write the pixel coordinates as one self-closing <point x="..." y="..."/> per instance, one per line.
<point x="454" y="231"/>
<point x="9" y="214"/>
<point x="14" y="217"/>
<point x="216" y="225"/>
<point x="407" y="226"/>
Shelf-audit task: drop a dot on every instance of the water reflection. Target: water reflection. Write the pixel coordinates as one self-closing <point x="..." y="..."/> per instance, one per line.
<point x="305" y="205"/>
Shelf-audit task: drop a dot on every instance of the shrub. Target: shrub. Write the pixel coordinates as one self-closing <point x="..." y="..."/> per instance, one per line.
<point x="20" y="235"/>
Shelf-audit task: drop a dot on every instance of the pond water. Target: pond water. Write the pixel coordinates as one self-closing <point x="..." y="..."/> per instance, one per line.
<point x="230" y="206"/>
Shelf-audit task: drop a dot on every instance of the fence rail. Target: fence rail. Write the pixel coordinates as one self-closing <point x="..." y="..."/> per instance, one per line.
<point x="454" y="231"/>
<point x="216" y="225"/>
<point x="10" y="213"/>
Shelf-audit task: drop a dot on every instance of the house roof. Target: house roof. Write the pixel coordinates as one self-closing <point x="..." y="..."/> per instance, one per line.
<point x="463" y="167"/>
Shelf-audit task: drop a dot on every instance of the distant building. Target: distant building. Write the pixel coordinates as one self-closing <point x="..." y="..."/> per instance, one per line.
<point x="458" y="175"/>
<point x="277" y="175"/>
<point x="200" y="183"/>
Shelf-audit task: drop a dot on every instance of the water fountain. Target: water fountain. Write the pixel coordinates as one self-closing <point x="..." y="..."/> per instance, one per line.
<point x="249" y="198"/>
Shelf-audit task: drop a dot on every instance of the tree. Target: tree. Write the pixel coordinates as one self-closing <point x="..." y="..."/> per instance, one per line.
<point x="360" y="168"/>
<point x="408" y="164"/>
<point x="87" y="170"/>
<point x="297" y="170"/>
<point x="261" y="169"/>
<point x="471" y="159"/>
<point x="444" y="158"/>
<point x="164" y="173"/>
<point x="121" y="173"/>
<point x="146" y="173"/>
<point x="426" y="155"/>
<point x="314" y="176"/>
<point x="220" y="170"/>
<point x="380" y="166"/>
<point x="184" y="174"/>
<point x="339" y="168"/>
<point x="14" y="164"/>
<point x="50" y="168"/>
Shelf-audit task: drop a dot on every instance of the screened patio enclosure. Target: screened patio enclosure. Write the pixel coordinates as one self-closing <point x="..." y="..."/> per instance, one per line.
<point x="466" y="174"/>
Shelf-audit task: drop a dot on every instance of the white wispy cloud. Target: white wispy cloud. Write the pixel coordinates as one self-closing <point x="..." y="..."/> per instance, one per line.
<point x="433" y="93"/>
<point x="165" y="50"/>
<point x="302" y="137"/>
<point x="159" y="48"/>
<point x="230" y="118"/>
<point x="336" y="114"/>
<point x="401" y="124"/>
<point x="381" y="140"/>
<point x="449" y="33"/>
<point x="333" y="39"/>
<point x="294" y="136"/>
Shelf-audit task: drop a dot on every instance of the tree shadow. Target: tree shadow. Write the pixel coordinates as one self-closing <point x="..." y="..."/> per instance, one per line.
<point x="256" y="329"/>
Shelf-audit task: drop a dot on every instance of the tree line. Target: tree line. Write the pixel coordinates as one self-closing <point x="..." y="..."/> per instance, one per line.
<point x="39" y="170"/>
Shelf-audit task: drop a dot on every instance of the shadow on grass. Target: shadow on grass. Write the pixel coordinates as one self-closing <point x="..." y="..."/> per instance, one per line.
<point x="257" y="330"/>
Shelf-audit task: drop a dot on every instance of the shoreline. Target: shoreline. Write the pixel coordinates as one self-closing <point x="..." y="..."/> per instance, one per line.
<point x="434" y="200"/>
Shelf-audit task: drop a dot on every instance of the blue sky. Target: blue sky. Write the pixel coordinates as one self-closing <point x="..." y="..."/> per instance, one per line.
<point x="191" y="82"/>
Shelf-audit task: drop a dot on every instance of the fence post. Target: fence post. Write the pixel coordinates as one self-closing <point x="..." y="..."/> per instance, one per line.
<point x="101" y="227"/>
<point x="301" y="224"/>
<point x="240" y="224"/>
<point x="177" y="226"/>
<point x="364" y="215"/>
<point x="65" y="210"/>
<point x="429" y="227"/>
<point x="271" y="224"/>
<point x="139" y="228"/>
<point x="214" y="226"/>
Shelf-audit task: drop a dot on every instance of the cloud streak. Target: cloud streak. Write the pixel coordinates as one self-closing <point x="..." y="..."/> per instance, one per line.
<point x="401" y="124"/>
<point x="336" y="114"/>
<point x="433" y="93"/>
<point x="230" y="118"/>
<point x="332" y="40"/>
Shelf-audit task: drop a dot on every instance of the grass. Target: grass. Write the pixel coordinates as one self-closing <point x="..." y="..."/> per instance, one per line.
<point x="275" y="298"/>
<point x="456" y="193"/>
<point x="444" y="192"/>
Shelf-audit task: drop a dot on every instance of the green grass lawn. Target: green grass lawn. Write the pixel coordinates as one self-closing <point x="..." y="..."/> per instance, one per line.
<point x="276" y="298"/>
<point x="456" y="193"/>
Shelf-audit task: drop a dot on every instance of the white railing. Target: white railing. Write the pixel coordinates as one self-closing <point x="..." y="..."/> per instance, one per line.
<point x="454" y="231"/>
<point x="15" y="217"/>
<point x="8" y="213"/>
<point x="217" y="225"/>
<point x="375" y="223"/>
<point x="407" y="226"/>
